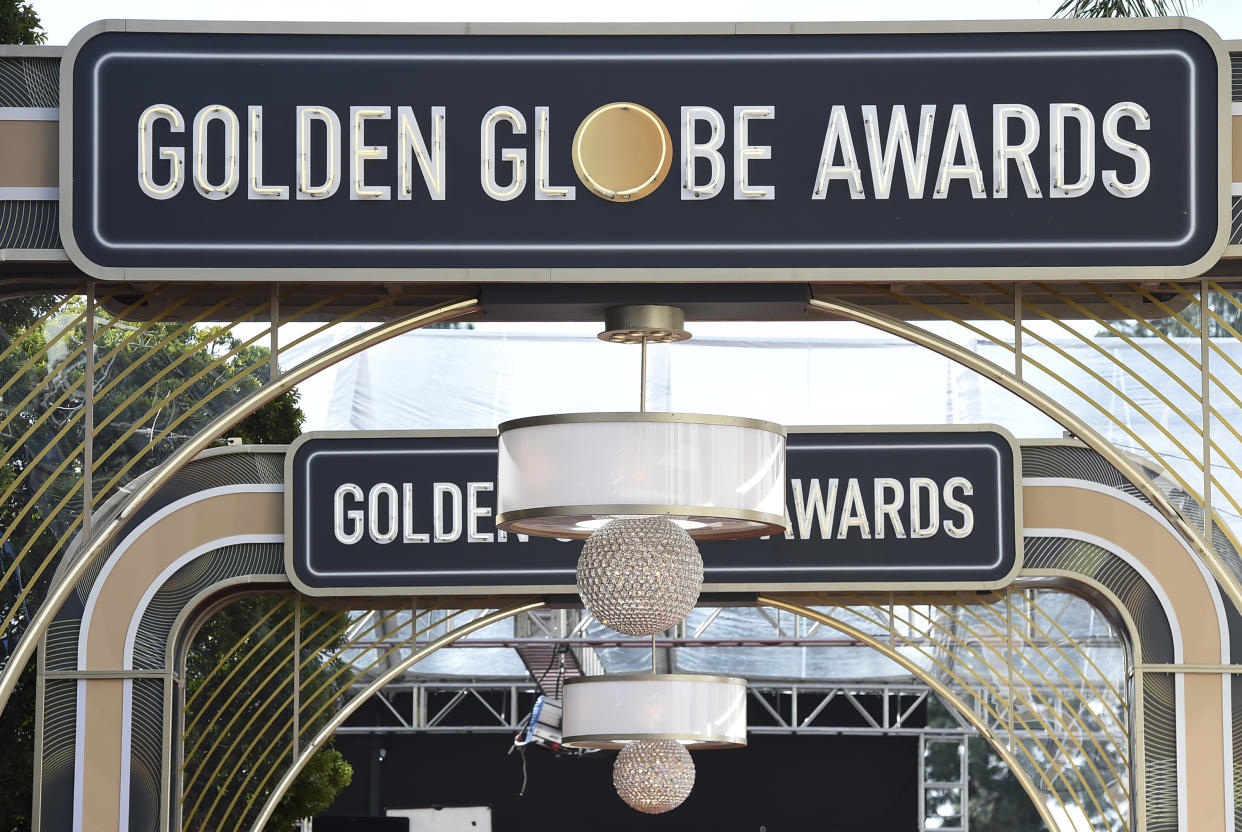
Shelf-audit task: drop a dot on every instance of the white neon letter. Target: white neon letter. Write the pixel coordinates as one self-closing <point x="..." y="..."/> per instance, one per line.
<point x="920" y="486"/>
<point x="255" y="189"/>
<point x="411" y="146"/>
<point x="515" y="156"/>
<point x="543" y="190"/>
<point x="340" y="515"/>
<point x="968" y="514"/>
<point x="744" y="152"/>
<point x="1003" y="151"/>
<point x="838" y="133"/>
<point x="174" y="155"/>
<point x="960" y="134"/>
<point x="692" y="151"/>
<point x="374" y="516"/>
<point x="1059" y="112"/>
<point x="1142" y="162"/>
<point x="332" y="153"/>
<point x="884" y="159"/>
<point x="359" y="153"/>
<point x="232" y="162"/>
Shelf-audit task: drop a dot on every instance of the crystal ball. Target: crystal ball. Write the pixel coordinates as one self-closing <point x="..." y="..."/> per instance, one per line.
<point x="653" y="776"/>
<point x="640" y="576"/>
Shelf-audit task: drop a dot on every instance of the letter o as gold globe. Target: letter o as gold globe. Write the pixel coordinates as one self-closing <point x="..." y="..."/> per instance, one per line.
<point x="640" y="576"/>
<point x="653" y="776"/>
<point x="622" y="151"/>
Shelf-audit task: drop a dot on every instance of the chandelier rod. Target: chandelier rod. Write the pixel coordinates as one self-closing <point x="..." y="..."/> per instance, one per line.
<point x="642" y="379"/>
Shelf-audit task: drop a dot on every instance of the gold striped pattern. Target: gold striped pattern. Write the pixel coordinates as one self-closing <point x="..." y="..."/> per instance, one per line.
<point x="253" y="720"/>
<point x="1038" y="695"/>
<point x="162" y="422"/>
<point x="1184" y="428"/>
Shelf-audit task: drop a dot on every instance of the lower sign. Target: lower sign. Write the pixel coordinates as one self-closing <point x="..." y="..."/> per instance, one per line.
<point x="414" y="513"/>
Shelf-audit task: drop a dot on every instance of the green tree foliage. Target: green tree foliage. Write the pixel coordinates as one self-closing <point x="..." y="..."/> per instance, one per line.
<point x="1224" y="315"/>
<point x="17" y="727"/>
<point x="151" y="378"/>
<point x="278" y="422"/>
<point x="252" y="638"/>
<point x="1120" y="8"/>
<point x="998" y="803"/>
<point x="19" y="23"/>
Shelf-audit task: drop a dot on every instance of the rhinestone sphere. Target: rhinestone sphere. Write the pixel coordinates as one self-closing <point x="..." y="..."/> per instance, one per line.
<point x="640" y="576"/>
<point x="653" y="776"/>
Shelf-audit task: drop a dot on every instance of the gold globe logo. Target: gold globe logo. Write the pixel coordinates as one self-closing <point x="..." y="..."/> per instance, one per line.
<point x="622" y="151"/>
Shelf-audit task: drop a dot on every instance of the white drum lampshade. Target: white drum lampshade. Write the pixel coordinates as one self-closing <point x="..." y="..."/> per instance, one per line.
<point x="718" y="477"/>
<point x="698" y="711"/>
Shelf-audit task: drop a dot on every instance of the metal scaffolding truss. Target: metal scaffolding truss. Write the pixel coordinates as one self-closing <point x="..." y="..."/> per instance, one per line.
<point x="790" y="708"/>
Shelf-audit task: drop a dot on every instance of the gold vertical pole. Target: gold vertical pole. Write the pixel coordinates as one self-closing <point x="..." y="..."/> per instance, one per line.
<point x="297" y="673"/>
<point x="642" y="381"/>
<point x="273" y="367"/>
<point x="88" y="422"/>
<point x="653" y="666"/>
<point x="1017" y="330"/>
<point x="1009" y="660"/>
<point x="1205" y="393"/>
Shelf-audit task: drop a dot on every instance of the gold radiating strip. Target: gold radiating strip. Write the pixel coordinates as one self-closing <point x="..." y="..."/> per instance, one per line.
<point x="102" y="536"/>
<point x="241" y="684"/>
<point x="209" y="681"/>
<point x="282" y="738"/>
<point x="946" y="641"/>
<point x="1004" y="665"/>
<point x="324" y="734"/>
<point x="1067" y="773"/>
<point x="330" y="665"/>
<point x="244" y="738"/>
<point x="1052" y="407"/>
<point x="887" y="646"/>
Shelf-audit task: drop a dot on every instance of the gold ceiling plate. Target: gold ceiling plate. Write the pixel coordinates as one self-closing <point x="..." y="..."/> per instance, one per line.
<point x="645" y="322"/>
<point x="622" y="151"/>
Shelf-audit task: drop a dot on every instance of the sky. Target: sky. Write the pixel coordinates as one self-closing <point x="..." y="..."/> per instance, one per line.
<point x="63" y="18"/>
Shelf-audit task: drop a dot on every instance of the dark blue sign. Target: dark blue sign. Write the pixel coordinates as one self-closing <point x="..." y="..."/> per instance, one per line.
<point x="407" y="514"/>
<point x="197" y="154"/>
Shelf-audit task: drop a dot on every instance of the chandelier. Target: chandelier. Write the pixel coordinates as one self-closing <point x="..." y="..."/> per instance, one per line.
<point x="641" y="488"/>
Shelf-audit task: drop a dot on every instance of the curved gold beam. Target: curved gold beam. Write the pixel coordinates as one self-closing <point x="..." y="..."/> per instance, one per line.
<point x="951" y="698"/>
<point x="29" y="641"/>
<point x="370" y="690"/>
<point x="1054" y="410"/>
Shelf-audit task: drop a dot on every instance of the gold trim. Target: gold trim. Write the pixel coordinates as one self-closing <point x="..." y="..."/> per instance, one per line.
<point x="1216" y="669"/>
<point x="308" y="750"/>
<point x="658" y="677"/>
<point x="1055" y="410"/>
<point x="368" y="275"/>
<point x="513" y="521"/>
<point x="942" y="690"/>
<point x="635" y="416"/>
<point x="66" y="582"/>
<point x="693" y="742"/>
<point x="651" y="181"/>
<point x="653" y="323"/>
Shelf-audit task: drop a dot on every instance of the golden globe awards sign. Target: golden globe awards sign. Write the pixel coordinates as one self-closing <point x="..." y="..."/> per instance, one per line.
<point x="230" y="151"/>
<point x="374" y="513"/>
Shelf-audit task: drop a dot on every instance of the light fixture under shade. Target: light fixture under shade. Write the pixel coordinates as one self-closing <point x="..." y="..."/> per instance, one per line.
<point x="718" y="477"/>
<point x="696" y="710"/>
<point x="653" y="776"/>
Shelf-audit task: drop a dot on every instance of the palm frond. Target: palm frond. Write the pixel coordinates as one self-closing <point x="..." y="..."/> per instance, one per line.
<point x="1120" y="8"/>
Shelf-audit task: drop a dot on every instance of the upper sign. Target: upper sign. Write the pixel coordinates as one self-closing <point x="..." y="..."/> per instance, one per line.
<point x="371" y="513"/>
<point x="223" y="150"/>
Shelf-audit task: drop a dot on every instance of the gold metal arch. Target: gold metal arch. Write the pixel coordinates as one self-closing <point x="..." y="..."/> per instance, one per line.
<point x="986" y="692"/>
<point x="225" y="781"/>
<point x="97" y="539"/>
<point x="1046" y="403"/>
